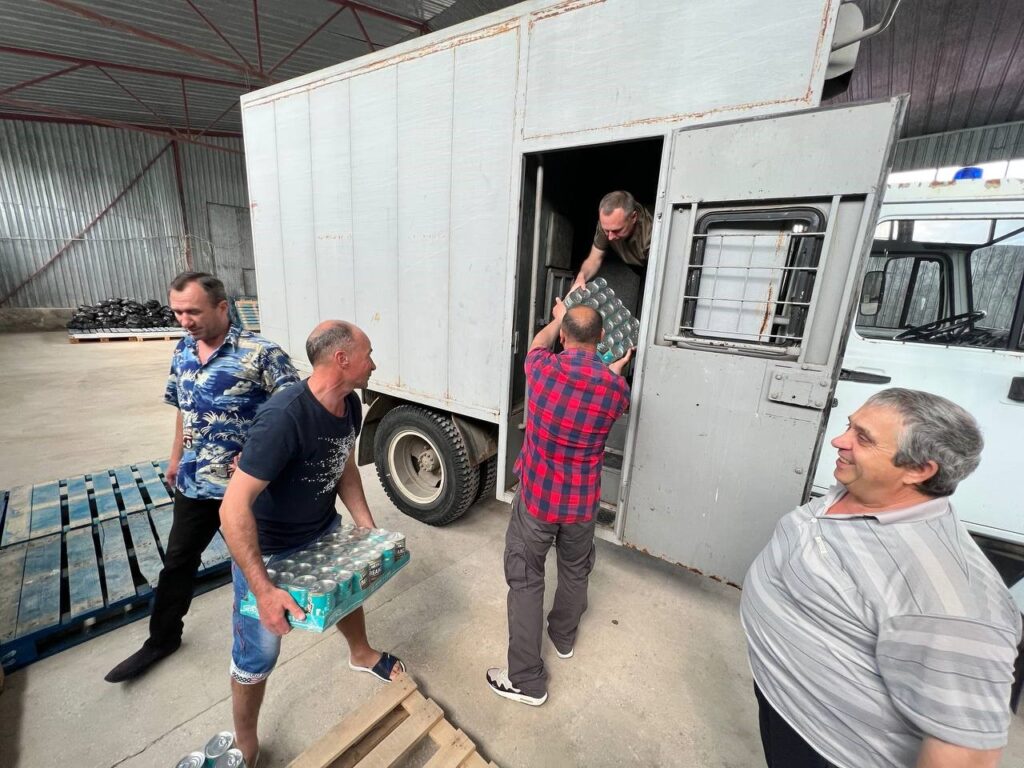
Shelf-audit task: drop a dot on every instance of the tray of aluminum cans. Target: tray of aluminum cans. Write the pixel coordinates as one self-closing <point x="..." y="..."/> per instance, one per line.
<point x="620" y="327"/>
<point x="219" y="752"/>
<point x="334" y="575"/>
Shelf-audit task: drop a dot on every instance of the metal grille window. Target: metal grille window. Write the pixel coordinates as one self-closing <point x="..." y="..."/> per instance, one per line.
<point x="751" y="276"/>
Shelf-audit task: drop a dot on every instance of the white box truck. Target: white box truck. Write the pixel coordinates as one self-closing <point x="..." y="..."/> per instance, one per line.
<point x="441" y="192"/>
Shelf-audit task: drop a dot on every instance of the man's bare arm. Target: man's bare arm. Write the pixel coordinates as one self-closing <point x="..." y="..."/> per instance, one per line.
<point x="590" y="266"/>
<point x="940" y="754"/>
<point x="350" y="491"/>
<point x="177" y="449"/>
<point x="548" y="335"/>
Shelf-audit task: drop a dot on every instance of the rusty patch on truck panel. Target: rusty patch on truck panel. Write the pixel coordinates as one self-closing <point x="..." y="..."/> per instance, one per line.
<point x="558" y="10"/>
<point x="689" y="568"/>
<point x="767" y="312"/>
<point x="511" y="25"/>
<point x="822" y="33"/>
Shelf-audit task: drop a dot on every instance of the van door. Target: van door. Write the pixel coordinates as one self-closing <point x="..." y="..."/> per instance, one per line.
<point x="768" y="223"/>
<point x="942" y="311"/>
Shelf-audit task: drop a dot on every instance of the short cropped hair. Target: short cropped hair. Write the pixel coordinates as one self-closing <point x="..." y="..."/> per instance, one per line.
<point x="211" y="285"/>
<point x="617" y="199"/>
<point x="582" y="325"/>
<point x="324" y="342"/>
<point x="934" y="429"/>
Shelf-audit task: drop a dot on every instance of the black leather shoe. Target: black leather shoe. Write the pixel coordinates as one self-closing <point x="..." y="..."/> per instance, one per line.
<point x="139" y="662"/>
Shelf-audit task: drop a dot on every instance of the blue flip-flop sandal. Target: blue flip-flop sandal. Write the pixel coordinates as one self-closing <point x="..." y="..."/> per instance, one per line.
<point x="382" y="669"/>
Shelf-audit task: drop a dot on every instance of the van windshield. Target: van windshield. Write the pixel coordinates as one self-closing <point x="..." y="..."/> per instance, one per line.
<point x="945" y="281"/>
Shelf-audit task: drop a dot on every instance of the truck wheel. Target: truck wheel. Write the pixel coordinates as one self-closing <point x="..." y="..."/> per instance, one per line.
<point x="424" y="466"/>
<point x="488" y="479"/>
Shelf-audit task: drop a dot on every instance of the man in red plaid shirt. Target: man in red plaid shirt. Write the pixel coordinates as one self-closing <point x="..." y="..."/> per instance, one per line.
<point x="573" y="401"/>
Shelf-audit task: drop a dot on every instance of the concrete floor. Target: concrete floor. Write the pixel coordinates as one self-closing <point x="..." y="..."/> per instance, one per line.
<point x="659" y="678"/>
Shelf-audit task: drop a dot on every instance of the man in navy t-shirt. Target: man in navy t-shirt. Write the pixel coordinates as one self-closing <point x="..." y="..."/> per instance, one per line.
<point x="281" y="498"/>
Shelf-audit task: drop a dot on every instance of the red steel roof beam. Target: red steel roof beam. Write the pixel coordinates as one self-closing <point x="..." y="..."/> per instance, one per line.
<point x="40" y="79"/>
<point x="184" y="100"/>
<point x="124" y="67"/>
<point x="217" y="119"/>
<point x="366" y="35"/>
<point x="308" y="37"/>
<point x="30" y="118"/>
<point x="163" y="120"/>
<point x="219" y="34"/>
<point x="418" y="24"/>
<point x="90" y="120"/>
<point x="130" y="29"/>
<point x="259" y="42"/>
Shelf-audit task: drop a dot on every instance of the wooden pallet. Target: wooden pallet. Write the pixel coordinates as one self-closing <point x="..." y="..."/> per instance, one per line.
<point x="387" y="728"/>
<point x="248" y="313"/>
<point x="168" y="333"/>
<point x="81" y="556"/>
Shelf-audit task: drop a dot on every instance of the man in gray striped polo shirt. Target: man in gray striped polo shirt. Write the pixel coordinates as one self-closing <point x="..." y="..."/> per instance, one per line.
<point x="879" y="634"/>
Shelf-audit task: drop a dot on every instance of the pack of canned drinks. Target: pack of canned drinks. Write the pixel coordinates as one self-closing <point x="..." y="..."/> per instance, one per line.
<point x="335" y="574"/>
<point x="620" y="327"/>
<point x="219" y="752"/>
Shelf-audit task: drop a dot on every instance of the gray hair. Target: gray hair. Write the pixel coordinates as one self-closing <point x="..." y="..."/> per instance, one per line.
<point x="211" y="285"/>
<point x="620" y="198"/>
<point x="325" y="341"/>
<point x="934" y="429"/>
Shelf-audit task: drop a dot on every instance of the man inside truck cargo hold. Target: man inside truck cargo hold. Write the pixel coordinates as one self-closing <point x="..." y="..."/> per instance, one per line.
<point x="220" y="374"/>
<point x="281" y="498"/>
<point x="623" y="226"/>
<point x="574" y="399"/>
<point x="878" y="632"/>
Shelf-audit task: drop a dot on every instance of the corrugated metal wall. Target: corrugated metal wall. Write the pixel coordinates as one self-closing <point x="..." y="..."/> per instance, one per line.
<point x="56" y="179"/>
<point x="974" y="145"/>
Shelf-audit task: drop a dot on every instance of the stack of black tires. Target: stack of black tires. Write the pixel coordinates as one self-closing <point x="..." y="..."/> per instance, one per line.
<point x="122" y="313"/>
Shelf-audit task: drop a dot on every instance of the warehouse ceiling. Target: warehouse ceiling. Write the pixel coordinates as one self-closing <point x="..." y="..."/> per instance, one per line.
<point x="181" y="65"/>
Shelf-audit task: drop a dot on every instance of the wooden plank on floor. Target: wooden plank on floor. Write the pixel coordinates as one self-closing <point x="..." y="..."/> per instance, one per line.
<point x="40" y="590"/>
<point x="83" y="573"/>
<point x="153" y="483"/>
<point x="19" y="516"/>
<point x="103" y="495"/>
<point x="423" y="715"/>
<point x="79" y="513"/>
<point x="129" y="489"/>
<point x="46" y="517"/>
<point x="162" y="518"/>
<point x="216" y="553"/>
<point x="452" y="754"/>
<point x="146" y="553"/>
<point x="355" y="725"/>
<point x="117" y="572"/>
<point x="12" y="569"/>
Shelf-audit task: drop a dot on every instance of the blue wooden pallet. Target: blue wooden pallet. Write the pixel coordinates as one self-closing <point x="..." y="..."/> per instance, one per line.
<point x="81" y="556"/>
<point x="248" y="312"/>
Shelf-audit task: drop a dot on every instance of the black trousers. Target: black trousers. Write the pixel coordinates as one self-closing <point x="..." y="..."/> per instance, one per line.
<point x="784" y="747"/>
<point x="193" y="526"/>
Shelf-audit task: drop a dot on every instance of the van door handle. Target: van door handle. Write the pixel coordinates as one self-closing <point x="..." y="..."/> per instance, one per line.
<point x="1016" y="389"/>
<point x="845" y="374"/>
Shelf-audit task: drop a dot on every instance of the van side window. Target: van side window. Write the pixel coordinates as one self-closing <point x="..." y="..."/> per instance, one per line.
<point x="955" y="282"/>
<point x="751" y="276"/>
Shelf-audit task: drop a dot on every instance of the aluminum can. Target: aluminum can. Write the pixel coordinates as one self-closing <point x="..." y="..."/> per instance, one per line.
<point x="398" y="539"/>
<point x="376" y="563"/>
<point x="218" y="745"/>
<point x="230" y="759"/>
<point x="322" y="598"/>
<point x="285" y="565"/>
<point x="325" y="571"/>
<point x="272" y="575"/>
<point x="343" y="577"/>
<point x="361" y="533"/>
<point x="387" y="552"/>
<point x="361" y="567"/>
<point x="318" y="558"/>
<point x="299" y="590"/>
<point x="285" y="578"/>
<point x="337" y="550"/>
<point x="301" y="568"/>
<point x="192" y="760"/>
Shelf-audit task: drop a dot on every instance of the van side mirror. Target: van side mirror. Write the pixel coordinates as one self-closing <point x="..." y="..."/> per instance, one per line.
<point x="871" y="293"/>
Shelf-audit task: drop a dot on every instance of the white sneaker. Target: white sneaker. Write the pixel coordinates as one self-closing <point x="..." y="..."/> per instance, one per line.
<point x="567" y="655"/>
<point x="497" y="680"/>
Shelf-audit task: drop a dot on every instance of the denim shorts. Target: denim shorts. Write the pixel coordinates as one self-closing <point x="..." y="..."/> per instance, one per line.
<point x="254" y="648"/>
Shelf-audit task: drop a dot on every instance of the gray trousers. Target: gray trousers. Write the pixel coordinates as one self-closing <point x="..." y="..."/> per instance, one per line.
<point x="526" y="547"/>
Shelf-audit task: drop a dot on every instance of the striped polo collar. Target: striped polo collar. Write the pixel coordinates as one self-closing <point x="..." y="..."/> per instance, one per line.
<point x="926" y="510"/>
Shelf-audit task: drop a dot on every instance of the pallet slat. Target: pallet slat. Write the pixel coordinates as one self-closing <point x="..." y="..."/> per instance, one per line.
<point x="162" y="518"/>
<point x="452" y="754"/>
<point x="129" y="490"/>
<point x="46" y="517"/>
<point x="18" y="520"/>
<point x="423" y="715"/>
<point x="146" y="554"/>
<point x="153" y="484"/>
<point x="103" y="495"/>
<point x="40" y="590"/>
<point x="216" y="553"/>
<point x="79" y="512"/>
<point x="117" y="572"/>
<point x="12" y="570"/>
<point x="83" y="574"/>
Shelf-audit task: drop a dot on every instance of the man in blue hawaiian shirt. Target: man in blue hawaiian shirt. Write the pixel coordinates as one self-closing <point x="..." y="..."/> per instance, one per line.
<point x="220" y="374"/>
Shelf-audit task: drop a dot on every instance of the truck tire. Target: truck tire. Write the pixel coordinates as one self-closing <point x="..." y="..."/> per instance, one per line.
<point x="424" y="466"/>
<point x="488" y="479"/>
